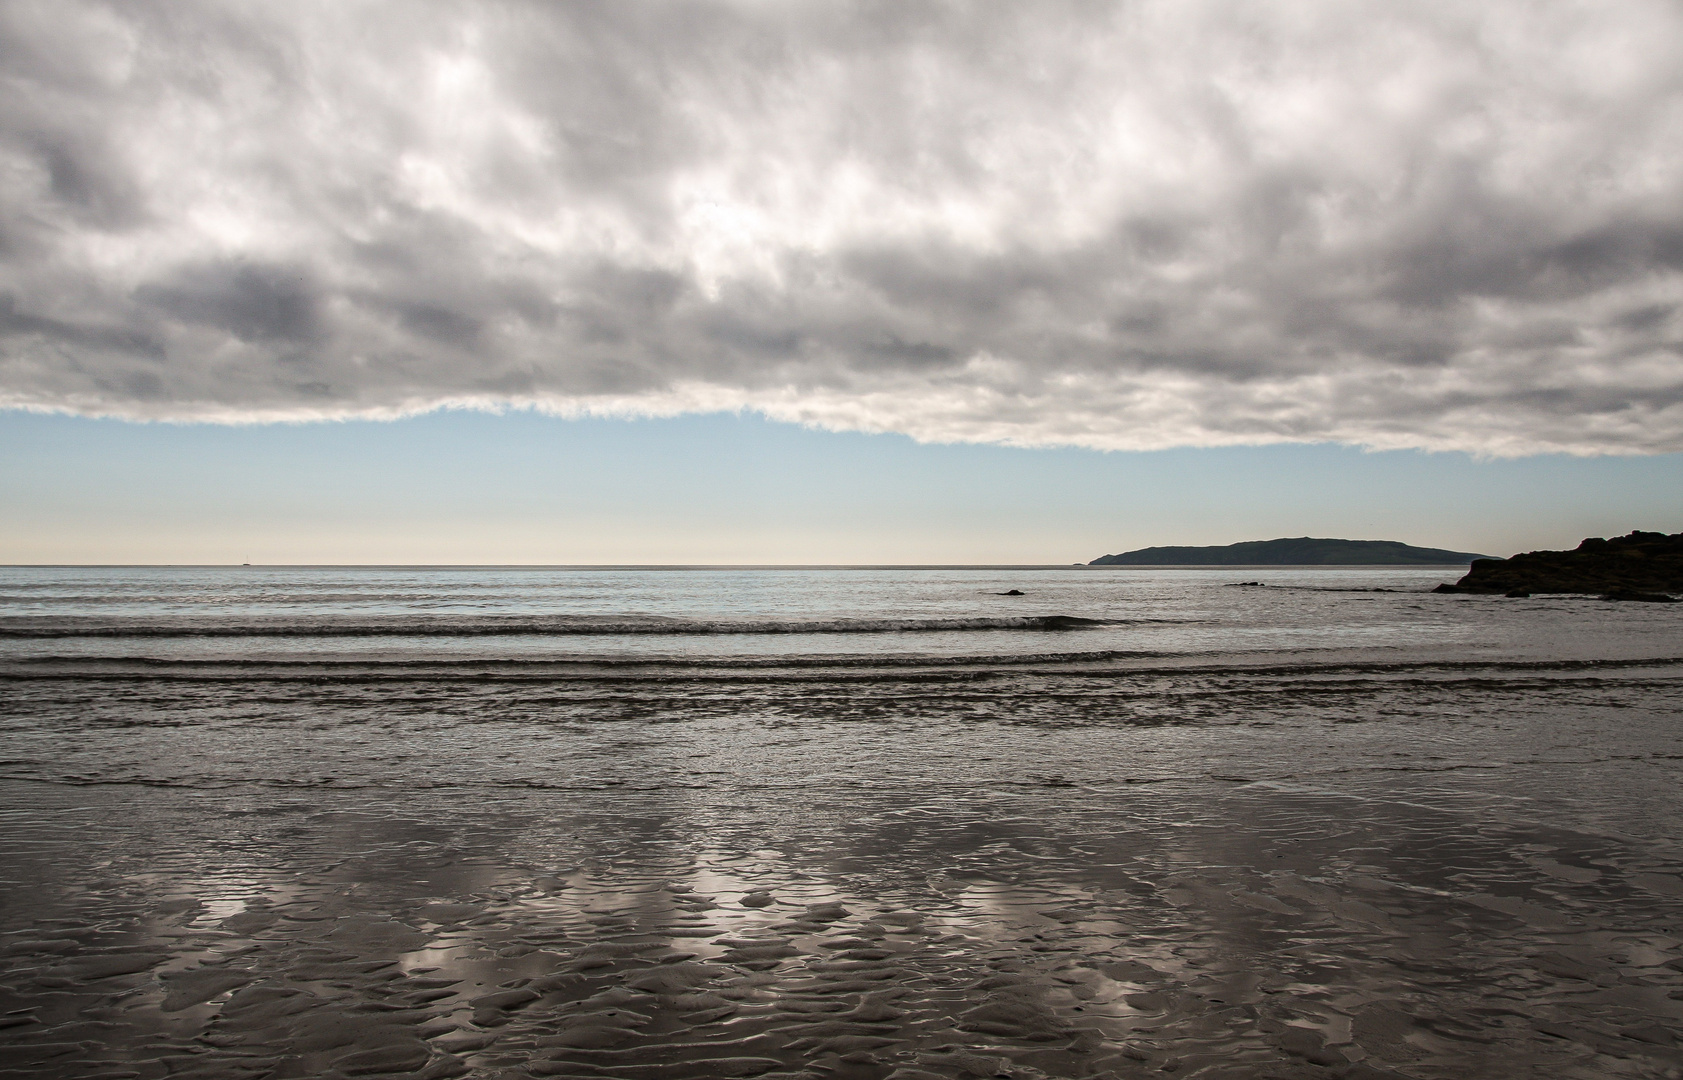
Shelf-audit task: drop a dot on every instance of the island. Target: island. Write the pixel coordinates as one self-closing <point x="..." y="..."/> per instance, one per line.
<point x="1293" y="551"/>
<point x="1640" y="566"/>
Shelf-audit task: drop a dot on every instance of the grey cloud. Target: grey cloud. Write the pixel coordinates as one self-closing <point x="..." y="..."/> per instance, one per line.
<point x="1132" y="225"/>
<point x="77" y="337"/>
<point x="255" y="302"/>
<point x="94" y="189"/>
<point x="440" y="324"/>
<point x="1645" y="318"/>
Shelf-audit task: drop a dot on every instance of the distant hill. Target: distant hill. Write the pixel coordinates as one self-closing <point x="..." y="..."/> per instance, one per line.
<point x="1294" y="551"/>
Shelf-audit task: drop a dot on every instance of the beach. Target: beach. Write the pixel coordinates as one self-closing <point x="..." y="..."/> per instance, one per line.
<point x="514" y="523"/>
<point x="1404" y="836"/>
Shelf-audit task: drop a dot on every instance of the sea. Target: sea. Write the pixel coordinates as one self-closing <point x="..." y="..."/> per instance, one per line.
<point x="839" y="822"/>
<point x="679" y="615"/>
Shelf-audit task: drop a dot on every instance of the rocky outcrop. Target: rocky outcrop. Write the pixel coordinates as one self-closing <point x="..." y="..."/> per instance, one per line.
<point x="1643" y="565"/>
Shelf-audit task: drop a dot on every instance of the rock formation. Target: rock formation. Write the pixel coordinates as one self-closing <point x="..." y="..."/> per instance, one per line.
<point x="1643" y="565"/>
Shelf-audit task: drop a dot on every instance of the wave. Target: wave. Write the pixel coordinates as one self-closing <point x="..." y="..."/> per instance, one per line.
<point x="543" y="626"/>
<point x="117" y="598"/>
<point x="96" y="667"/>
<point x="1319" y="588"/>
<point x="1286" y="664"/>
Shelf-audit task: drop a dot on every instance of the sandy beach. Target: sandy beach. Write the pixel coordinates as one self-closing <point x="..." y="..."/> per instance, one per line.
<point x="1021" y="870"/>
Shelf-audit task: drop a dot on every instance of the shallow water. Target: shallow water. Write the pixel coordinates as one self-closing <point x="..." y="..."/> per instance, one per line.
<point x="1382" y="834"/>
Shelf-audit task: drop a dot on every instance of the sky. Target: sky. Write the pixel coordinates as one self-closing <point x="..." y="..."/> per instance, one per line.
<point x="472" y="487"/>
<point x="834" y="282"/>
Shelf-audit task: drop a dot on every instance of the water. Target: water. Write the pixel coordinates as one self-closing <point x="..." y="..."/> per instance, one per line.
<point x="848" y="823"/>
<point x="702" y="614"/>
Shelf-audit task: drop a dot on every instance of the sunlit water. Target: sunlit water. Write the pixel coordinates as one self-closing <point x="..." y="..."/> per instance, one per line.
<point x="840" y="823"/>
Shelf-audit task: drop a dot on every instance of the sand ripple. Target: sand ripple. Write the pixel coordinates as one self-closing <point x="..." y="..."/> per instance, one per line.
<point x="1391" y="910"/>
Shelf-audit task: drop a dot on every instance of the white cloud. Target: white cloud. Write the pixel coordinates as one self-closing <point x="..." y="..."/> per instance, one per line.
<point x="1127" y="226"/>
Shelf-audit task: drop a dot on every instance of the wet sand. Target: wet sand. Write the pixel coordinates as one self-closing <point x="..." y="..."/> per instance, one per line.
<point x="1041" y="871"/>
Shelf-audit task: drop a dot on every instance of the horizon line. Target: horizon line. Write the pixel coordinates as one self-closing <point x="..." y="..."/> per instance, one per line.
<point x="696" y="566"/>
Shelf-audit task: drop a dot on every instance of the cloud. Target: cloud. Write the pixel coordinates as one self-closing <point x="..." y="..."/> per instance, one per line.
<point x="1130" y="225"/>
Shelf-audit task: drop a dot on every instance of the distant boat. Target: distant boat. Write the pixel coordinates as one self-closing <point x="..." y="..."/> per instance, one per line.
<point x="1295" y="551"/>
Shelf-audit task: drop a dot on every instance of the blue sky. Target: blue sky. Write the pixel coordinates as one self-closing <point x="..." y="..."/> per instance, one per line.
<point x="474" y="487"/>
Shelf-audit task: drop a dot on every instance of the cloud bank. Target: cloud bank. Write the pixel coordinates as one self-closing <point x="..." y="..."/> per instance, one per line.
<point x="1128" y="226"/>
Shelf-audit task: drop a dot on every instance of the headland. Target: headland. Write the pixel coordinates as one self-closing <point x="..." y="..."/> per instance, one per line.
<point x="1293" y="551"/>
<point x="1637" y="566"/>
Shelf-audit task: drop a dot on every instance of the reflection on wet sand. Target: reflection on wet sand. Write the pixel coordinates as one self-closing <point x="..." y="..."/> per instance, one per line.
<point x="812" y="925"/>
<point x="1250" y="932"/>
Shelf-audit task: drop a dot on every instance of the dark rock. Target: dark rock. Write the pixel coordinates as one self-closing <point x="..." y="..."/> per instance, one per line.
<point x="1638" y="566"/>
<point x="1011" y="592"/>
<point x="1517" y="594"/>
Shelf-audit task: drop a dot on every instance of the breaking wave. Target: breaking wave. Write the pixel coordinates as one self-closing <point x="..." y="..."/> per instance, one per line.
<point x="560" y="625"/>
